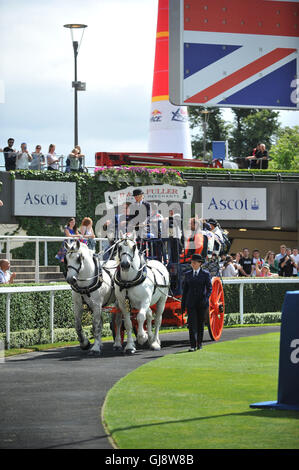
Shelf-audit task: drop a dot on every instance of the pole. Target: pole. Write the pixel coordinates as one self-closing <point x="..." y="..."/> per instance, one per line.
<point x="75" y="46"/>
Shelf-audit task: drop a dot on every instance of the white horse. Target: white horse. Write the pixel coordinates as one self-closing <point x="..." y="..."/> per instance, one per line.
<point x="91" y="282"/>
<point x="139" y="284"/>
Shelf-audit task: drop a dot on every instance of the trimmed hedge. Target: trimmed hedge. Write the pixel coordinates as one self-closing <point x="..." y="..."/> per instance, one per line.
<point x="258" y="298"/>
<point x="25" y="338"/>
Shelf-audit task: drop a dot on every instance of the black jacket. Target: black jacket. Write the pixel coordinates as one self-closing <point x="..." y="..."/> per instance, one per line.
<point x="196" y="290"/>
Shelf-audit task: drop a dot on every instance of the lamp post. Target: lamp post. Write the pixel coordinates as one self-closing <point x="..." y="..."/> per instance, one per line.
<point x="77" y="31"/>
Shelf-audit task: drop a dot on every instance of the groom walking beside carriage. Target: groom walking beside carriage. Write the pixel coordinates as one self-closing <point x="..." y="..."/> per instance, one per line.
<point x="196" y="292"/>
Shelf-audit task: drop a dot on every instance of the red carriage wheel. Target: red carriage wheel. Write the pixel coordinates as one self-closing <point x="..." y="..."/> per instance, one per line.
<point x="216" y="310"/>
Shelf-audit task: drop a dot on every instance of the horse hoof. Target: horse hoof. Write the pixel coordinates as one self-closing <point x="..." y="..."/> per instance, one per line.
<point x="85" y="347"/>
<point x="130" y="352"/>
<point x="155" y="346"/>
<point x="93" y="353"/>
<point x="142" y="339"/>
<point x="117" y="348"/>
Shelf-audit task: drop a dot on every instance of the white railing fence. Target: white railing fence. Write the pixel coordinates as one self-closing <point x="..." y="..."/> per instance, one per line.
<point x="10" y="240"/>
<point x="8" y="291"/>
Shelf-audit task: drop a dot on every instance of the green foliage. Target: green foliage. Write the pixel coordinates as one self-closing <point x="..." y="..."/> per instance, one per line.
<point x="285" y="153"/>
<point x="26" y="338"/>
<point x="90" y="191"/>
<point x="258" y="298"/>
<point x="212" y="125"/>
<point x="250" y="127"/>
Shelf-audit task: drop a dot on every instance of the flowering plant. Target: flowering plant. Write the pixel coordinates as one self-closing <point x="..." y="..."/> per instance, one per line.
<point x="138" y="174"/>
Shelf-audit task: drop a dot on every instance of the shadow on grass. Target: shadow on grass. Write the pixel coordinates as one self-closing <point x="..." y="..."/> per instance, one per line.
<point x="254" y="414"/>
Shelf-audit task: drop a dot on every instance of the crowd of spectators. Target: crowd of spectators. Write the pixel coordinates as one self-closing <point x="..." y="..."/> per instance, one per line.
<point x="243" y="264"/>
<point x="37" y="160"/>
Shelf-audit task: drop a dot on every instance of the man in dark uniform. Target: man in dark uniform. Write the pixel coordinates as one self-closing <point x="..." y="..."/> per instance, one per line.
<point x="141" y="210"/>
<point x="196" y="292"/>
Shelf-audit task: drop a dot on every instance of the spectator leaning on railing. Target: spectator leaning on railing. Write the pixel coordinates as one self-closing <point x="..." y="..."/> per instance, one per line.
<point x="295" y="258"/>
<point x="287" y="264"/>
<point x="6" y="277"/>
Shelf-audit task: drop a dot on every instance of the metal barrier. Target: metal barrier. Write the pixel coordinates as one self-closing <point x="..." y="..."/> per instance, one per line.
<point x="12" y="290"/>
<point x="8" y="239"/>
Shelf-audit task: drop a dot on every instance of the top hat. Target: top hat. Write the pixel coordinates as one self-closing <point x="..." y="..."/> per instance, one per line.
<point x="137" y="192"/>
<point x="212" y="221"/>
<point x="197" y="258"/>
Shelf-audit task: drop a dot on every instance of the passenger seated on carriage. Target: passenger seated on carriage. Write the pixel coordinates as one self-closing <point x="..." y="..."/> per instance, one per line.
<point x="141" y="210"/>
<point x="173" y="228"/>
<point x="197" y="243"/>
<point x="156" y="246"/>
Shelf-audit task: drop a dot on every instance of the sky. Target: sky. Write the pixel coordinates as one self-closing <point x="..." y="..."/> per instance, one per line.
<point x="116" y="60"/>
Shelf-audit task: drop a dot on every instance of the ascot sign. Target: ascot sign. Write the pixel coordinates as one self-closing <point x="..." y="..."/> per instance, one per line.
<point x="234" y="203"/>
<point x="45" y="198"/>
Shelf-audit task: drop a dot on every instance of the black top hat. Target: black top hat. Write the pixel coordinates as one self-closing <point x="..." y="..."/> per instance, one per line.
<point x="212" y="221"/>
<point x="197" y="258"/>
<point x="137" y="192"/>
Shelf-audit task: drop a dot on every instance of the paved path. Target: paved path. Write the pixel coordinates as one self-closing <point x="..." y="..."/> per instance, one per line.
<point x="53" y="399"/>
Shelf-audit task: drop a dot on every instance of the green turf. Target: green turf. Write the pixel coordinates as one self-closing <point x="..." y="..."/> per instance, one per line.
<point x="201" y="400"/>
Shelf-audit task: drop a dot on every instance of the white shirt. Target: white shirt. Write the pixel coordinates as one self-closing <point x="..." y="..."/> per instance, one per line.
<point x="296" y="260"/>
<point x="196" y="272"/>
<point x="4" y="276"/>
<point x="230" y="271"/>
<point x="22" y="162"/>
<point x="50" y="161"/>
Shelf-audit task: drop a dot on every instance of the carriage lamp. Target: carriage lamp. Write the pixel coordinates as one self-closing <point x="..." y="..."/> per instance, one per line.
<point x="77" y="32"/>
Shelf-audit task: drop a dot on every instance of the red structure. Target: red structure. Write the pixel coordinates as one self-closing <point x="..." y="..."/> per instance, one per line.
<point x="111" y="159"/>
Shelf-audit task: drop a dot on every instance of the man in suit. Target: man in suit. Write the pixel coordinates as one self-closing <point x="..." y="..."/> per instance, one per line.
<point x="196" y="292"/>
<point x="139" y="217"/>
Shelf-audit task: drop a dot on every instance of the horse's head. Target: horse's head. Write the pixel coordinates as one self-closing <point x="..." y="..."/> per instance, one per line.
<point x="126" y="250"/>
<point x="74" y="259"/>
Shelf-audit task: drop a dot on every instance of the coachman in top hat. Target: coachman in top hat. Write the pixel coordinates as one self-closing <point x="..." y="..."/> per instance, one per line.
<point x="196" y="292"/>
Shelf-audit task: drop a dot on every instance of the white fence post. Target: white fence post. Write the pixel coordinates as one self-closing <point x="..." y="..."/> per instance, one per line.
<point x="37" y="260"/>
<point x="241" y="303"/>
<point x="52" y="315"/>
<point x="8" y="321"/>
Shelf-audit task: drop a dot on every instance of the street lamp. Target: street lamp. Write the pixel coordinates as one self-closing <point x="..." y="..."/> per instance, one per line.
<point x="77" y="32"/>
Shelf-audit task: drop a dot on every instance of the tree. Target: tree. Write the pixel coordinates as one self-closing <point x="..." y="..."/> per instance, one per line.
<point x="285" y="153"/>
<point x="250" y="127"/>
<point x="211" y="126"/>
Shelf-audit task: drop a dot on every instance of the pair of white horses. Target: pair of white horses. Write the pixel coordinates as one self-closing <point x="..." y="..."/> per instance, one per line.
<point x="127" y="281"/>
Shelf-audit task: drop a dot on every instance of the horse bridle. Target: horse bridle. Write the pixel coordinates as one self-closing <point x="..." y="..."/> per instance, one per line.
<point x="68" y="266"/>
<point x="98" y="278"/>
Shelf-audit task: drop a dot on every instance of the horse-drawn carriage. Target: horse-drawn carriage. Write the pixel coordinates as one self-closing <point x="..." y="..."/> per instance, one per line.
<point x="134" y="283"/>
<point x="210" y="248"/>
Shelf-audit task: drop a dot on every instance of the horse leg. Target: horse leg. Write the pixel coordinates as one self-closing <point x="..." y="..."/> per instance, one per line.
<point x="117" y="346"/>
<point x="130" y="346"/>
<point x="97" y="323"/>
<point x="156" y="345"/>
<point x="149" y="318"/>
<point x="78" y="310"/>
<point x="142" y="335"/>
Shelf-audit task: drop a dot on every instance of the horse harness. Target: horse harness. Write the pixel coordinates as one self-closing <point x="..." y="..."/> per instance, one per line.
<point x="141" y="276"/>
<point x="97" y="279"/>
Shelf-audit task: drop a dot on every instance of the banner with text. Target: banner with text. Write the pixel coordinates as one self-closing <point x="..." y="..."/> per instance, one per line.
<point x="44" y="198"/>
<point x="234" y="203"/>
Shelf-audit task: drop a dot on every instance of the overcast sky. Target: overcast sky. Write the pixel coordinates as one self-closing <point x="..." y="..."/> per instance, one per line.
<point x="116" y="61"/>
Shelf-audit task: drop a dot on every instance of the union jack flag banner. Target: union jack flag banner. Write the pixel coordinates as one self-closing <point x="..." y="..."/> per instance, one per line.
<point x="234" y="53"/>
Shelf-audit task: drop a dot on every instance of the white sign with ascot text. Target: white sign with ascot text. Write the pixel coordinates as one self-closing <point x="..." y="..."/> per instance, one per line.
<point x="234" y="203"/>
<point x="45" y="198"/>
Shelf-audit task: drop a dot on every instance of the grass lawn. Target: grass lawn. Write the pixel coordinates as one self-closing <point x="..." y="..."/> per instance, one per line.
<point x="201" y="400"/>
